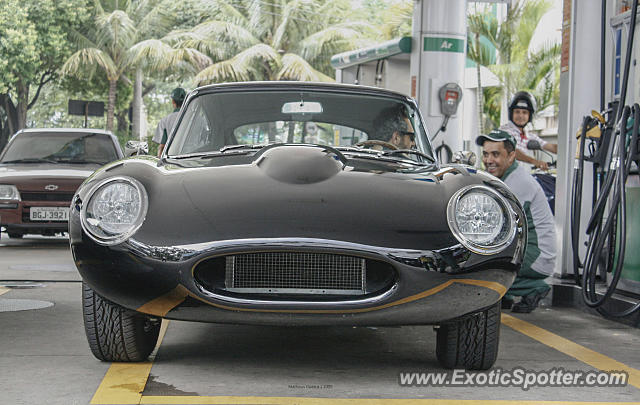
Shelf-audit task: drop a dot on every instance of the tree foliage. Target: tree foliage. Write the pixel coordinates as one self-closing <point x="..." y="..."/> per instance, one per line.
<point x="518" y="66"/>
<point x="34" y="43"/>
<point x="277" y="40"/>
<point x="127" y="35"/>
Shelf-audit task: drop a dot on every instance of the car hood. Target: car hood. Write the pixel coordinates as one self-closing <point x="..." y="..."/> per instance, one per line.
<point x="297" y="192"/>
<point x="34" y="177"/>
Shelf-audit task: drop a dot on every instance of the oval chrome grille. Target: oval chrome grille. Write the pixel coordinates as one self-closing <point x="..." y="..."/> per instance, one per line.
<point x="295" y="273"/>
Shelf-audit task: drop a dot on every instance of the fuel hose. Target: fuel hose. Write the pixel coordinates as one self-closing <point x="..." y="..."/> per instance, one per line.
<point x="608" y="225"/>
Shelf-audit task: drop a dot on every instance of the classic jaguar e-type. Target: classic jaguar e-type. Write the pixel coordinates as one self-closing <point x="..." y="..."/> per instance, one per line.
<point x="283" y="203"/>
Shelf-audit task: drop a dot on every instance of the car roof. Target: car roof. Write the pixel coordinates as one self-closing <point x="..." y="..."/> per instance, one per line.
<point x="295" y="85"/>
<point x="77" y="130"/>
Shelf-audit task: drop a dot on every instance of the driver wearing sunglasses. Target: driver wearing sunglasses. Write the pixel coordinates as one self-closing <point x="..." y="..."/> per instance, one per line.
<point x="393" y="126"/>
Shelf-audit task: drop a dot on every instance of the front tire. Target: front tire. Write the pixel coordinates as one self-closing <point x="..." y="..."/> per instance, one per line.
<point x="115" y="333"/>
<point x="470" y="342"/>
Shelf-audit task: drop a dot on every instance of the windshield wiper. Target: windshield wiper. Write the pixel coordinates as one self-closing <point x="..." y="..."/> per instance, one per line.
<point x="31" y="160"/>
<point x="389" y="155"/>
<point x="354" y="149"/>
<point x="80" y="161"/>
<point x="239" y="149"/>
<point x="409" y="152"/>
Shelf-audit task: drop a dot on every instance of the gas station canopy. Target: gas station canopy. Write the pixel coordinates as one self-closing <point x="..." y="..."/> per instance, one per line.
<point x="380" y="51"/>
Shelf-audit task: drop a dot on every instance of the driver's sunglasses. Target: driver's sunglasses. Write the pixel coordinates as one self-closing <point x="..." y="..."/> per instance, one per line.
<point x="412" y="135"/>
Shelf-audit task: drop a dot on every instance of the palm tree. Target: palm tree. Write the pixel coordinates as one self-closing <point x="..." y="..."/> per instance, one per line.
<point x="273" y="39"/>
<point x="123" y="39"/>
<point x="518" y="67"/>
<point x="482" y="55"/>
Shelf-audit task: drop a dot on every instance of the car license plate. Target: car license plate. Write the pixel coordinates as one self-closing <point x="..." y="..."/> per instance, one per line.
<point x="49" y="214"/>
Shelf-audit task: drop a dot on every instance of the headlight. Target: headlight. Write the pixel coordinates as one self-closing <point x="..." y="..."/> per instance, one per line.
<point x="481" y="219"/>
<point x="9" y="192"/>
<point x="114" y="210"/>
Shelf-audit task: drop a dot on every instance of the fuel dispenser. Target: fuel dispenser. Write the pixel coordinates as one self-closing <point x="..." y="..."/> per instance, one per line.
<point x="609" y="141"/>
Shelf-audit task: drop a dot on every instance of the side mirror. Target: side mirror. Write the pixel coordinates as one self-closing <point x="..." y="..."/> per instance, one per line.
<point x="133" y="148"/>
<point x="465" y="157"/>
<point x="534" y="145"/>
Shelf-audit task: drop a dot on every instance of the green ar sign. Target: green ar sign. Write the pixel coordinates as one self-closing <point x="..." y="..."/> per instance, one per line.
<point x="443" y="44"/>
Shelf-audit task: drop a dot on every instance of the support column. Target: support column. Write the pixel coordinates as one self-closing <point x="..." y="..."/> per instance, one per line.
<point x="579" y="94"/>
<point x="438" y="57"/>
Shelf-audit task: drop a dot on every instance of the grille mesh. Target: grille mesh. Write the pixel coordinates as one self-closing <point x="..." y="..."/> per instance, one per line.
<point x="49" y="196"/>
<point x="295" y="272"/>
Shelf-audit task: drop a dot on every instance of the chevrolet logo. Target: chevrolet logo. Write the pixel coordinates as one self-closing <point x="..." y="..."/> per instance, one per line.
<point x="50" y="187"/>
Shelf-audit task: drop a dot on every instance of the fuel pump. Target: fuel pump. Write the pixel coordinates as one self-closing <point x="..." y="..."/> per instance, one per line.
<point x="609" y="140"/>
<point x="607" y="227"/>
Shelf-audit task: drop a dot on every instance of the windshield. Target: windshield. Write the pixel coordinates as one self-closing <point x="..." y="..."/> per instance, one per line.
<point x="67" y="147"/>
<point x="237" y="120"/>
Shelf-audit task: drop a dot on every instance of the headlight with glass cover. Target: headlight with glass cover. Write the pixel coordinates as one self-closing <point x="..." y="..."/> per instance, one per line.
<point x="481" y="219"/>
<point x="9" y="192"/>
<point x="114" y="210"/>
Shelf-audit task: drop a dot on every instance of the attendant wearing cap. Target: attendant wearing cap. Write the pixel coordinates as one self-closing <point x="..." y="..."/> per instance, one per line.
<point x="499" y="158"/>
<point x="521" y="110"/>
<point x="165" y="126"/>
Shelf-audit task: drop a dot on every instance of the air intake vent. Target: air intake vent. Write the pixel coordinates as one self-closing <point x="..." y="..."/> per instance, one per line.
<point x="295" y="273"/>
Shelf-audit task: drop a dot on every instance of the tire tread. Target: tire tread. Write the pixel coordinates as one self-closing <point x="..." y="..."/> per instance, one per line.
<point x="114" y="333"/>
<point x="470" y="342"/>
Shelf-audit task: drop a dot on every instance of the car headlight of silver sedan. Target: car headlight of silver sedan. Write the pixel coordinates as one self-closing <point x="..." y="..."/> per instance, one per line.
<point x="114" y="210"/>
<point x="481" y="219"/>
<point x="9" y="192"/>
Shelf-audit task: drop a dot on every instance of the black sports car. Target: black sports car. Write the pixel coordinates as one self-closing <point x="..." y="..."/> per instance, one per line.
<point x="284" y="203"/>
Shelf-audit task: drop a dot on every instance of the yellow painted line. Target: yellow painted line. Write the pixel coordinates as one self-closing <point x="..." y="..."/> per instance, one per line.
<point x="4" y="290"/>
<point x="124" y="382"/>
<point x="165" y="303"/>
<point x="355" y="401"/>
<point x="579" y="352"/>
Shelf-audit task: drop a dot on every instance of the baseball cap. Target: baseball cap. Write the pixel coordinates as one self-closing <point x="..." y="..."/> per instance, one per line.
<point x="178" y="94"/>
<point x="497" y="135"/>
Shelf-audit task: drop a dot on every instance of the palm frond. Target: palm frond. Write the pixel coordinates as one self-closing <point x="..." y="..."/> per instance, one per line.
<point x="97" y="6"/>
<point x="262" y="17"/>
<point x="81" y="40"/>
<point x="331" y="40"/>
<point x="478" y="51"/>
<point x="532" y="13"/>
<point x="397" y="20"/>
<point x="540" y="64"/>
<point x="152" y="53"/>
<point x="154" y="17"/>
<point x="247" y="65"/>
<point x="485" y="25"/>
<point x="295" y="67"/>
<point x="115" y="30"/>
<point x="231" y="11"/>
<point x="262" y="53"/>
<point x="286" y="21"/>
<point x="90" y="57"/>
<point x="195" y="59"/>
<point x="225" y="31"/>
<point x="221" y="72"/>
